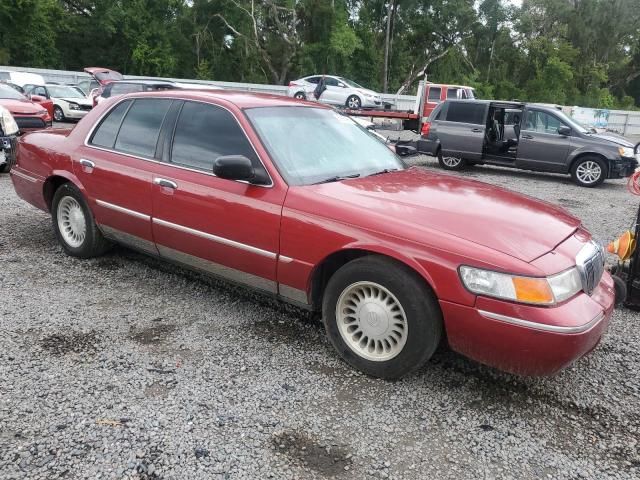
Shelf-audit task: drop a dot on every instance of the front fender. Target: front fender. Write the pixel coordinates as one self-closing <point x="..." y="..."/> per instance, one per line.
<point x="609" y="154"/>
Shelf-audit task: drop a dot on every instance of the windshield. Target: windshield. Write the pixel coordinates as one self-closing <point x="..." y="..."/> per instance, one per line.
<point x="311" y="145"/>
<point x="9" y="93"/>
<point x="351" y="83"/>
<point x="570" y="122"/>
<point x="64" y="92"/>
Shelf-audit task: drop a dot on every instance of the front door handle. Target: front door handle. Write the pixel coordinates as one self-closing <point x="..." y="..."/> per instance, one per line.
<point x="87" y="163"/>
<point x="528" y="137"/>
<point x="476" y="130"/>
<point x="163" y="182"/>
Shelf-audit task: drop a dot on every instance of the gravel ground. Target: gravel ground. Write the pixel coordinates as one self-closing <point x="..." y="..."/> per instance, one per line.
<point x="125" y="367"/>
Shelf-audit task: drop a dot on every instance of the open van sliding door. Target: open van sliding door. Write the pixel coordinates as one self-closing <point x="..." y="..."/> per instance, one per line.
<point x="462" y="131"/>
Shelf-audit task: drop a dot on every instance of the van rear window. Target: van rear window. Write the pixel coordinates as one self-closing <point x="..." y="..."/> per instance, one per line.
<point x="466" y="112"/>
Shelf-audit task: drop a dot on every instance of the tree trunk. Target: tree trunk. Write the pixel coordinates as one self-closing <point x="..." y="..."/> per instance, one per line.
<point x="391" y="13"/>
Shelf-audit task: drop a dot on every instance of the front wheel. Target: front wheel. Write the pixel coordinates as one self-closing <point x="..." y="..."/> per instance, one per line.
<point x="58" y="114"/>
<point x="449" y="162"/>
<point x="589" y="172"/>
<point x="300" y="96"/>
<point x="381" y="317"/>
<point x="353" y="102"/>
<point x="73" y="223"/>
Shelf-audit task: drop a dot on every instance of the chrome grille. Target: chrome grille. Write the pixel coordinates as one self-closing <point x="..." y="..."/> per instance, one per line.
<point x="590" y="264"/>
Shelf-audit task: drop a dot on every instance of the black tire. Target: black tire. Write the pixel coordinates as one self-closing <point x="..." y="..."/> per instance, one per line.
<point x="94" y="243"/>
<point x="581" y="168"/>
<point x="448" y="164"/>
<point x="300" y="96"/>
<point x="4" y="168"/>
<point x="421" y="309"/>
<point x="58" y="114"/>
<point x="353" y="102"/>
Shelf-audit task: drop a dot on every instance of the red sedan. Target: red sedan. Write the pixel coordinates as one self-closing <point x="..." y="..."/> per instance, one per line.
<point x="27" y="114"/>
<point x="296" y="200"/>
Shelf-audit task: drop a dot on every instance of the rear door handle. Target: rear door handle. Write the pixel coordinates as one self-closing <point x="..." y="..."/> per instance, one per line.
<point x="476" y="129"/>
<point x="528" y="137"/>
<point x="163" y="182"/>
<point x="87" y="163"/>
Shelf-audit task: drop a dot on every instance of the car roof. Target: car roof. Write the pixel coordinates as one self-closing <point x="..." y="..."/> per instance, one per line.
<point x="495" y="103"/>
<point x="237" y="98"/>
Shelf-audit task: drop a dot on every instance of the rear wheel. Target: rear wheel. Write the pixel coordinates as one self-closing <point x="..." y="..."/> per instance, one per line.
<point x="381" y="317"/>
<point x="449" y="162"/>
<point x="300" y="96"/>
<point x="589" y="171"/>
<point x="73" y="223"/>
<point x="353" y="102"/>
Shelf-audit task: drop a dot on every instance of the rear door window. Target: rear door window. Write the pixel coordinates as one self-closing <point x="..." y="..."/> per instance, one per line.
<point x="140" y="128"/>
<point x="434" y="94"/>
<point x="466" y="112"/>
<point x="105" y="134"/>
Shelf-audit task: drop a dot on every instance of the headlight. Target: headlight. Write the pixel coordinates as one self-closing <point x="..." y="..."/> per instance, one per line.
<point x="539" y="291"/>
<point x="626" y="151"/>
<point x="74" y="106"/>
<point x="368" y="95"/>
<point x="7" y="123"/>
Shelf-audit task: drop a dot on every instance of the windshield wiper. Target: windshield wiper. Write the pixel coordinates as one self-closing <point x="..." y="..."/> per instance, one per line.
<point x="386" y="170"/>
<point x="337" y="178"/>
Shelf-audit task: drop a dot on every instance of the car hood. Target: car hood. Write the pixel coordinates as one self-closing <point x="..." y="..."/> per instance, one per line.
<point x="368" y="92"/>
<point x="79" y="101"/>
<point x="613" y="138"/>
<point x="505" y="221"/>
<point x="24" y="107"/>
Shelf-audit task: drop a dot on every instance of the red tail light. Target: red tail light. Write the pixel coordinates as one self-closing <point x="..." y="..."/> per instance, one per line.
<point x="424" y="131"/>
<point x="293" y="84"/>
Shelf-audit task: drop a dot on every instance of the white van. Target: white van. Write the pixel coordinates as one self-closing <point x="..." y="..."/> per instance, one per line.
<point x="21" y="78"/>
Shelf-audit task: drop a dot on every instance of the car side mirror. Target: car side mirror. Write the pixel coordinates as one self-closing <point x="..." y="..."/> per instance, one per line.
<point x="564" y="130"/>
<point x="234" y="167"/>
<point x="342" y="85"/>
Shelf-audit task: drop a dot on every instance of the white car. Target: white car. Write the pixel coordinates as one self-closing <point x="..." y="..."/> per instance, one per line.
<point x="340" y="91"/>
<point x="68" y="102"/>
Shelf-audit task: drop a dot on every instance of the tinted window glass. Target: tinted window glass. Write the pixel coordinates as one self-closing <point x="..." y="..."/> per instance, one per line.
<point x="331" y="82"/>
<point x="466" y="112"/>
<point x="39" y="91"/>
<point x="141" y="126"/>
<point x="313" y="79"/>
<point x="122" y="88"/>
<point x="204" y="133"/>
<point x="105" y="134"/>
<point x="452" y="93"/>
<point x="434" y="93"/>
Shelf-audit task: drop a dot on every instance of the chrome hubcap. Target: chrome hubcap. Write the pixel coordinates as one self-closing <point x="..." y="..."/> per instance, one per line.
<point x="299" y="96"/>
<point x="451" y="161"/>
<point x="371" y="321"/>
<point x="57" y="114"/>
<point x="588" y="172"/>
<point x="71" y="222"/>
<point x="354" y="103"/>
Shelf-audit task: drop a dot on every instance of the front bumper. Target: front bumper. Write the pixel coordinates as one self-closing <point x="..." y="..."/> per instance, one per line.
<point x="75" y="114"/>
<point x="622" y="167"/>
<point x="529" y="340"/>
<point x="8" y="146"/>
<point x="371" y="102"/>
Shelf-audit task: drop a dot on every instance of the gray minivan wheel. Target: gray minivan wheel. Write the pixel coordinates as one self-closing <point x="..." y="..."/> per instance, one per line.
<point x="589" y="171"/>
<point x="449" y="162"/>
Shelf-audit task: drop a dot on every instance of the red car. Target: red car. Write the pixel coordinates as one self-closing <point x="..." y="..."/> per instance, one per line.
<point x="27" y="114"/>
<point x="297" y="200"/>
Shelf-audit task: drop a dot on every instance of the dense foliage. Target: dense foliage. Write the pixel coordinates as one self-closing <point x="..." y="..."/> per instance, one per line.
<point x="582" y="52"/>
